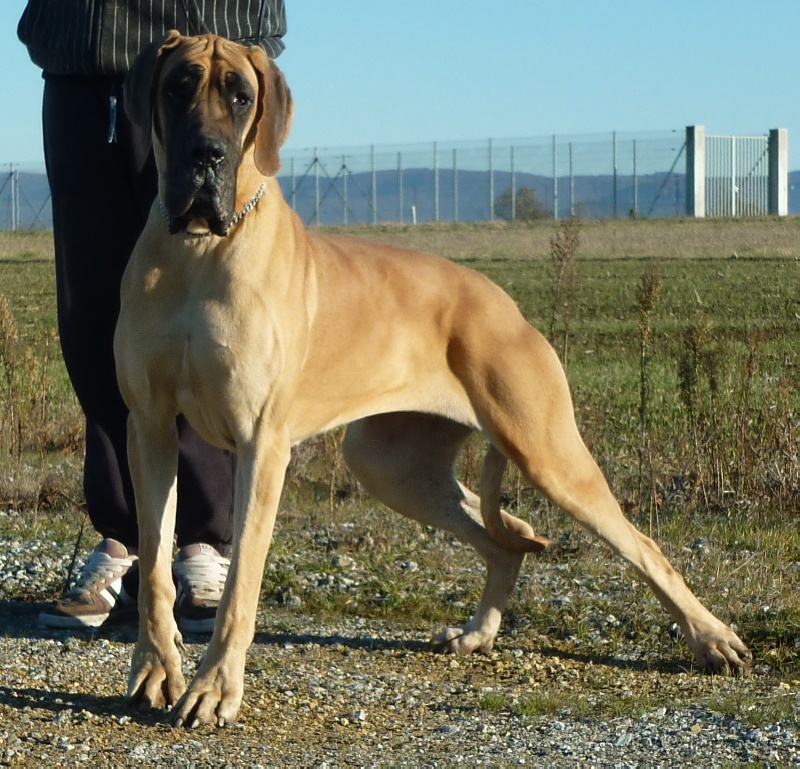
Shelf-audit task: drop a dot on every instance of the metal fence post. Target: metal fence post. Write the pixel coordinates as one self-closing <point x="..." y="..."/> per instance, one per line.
<point x="571" y="184"/>
<point x="344" y="189"/>
<point x="734" y="186"/>
<point x="555" y="180"/>
<point x="400" y="187"/>
<point x="491" y="182"/>
<point x="614" y="158"/>
<point x="635" y="183"/>
<point x="14" y="199"/>
<point x="455" y="185"/>
<point x="316" y="187"/>
<point x="435" y="183"/>
<point x="513" y="187"/>
<point x="374" y="186"/>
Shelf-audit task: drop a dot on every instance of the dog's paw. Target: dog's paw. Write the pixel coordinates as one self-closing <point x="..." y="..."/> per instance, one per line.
<point x="462" y="639"/>
<point x="722" y="652"/>
<point x="156" y="679"/>
<point x="725" y="658"/>
<point x="211" y="698"/>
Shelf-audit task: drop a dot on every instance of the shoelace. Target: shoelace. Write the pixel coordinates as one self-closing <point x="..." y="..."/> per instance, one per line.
<point x="99" y="568"/>
<point x="204" y="577"/>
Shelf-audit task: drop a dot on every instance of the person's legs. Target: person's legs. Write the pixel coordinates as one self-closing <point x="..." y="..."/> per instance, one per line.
<point x="101" y="196"/>
<point x="96" y="220"/>
<point x="205" y="491"/>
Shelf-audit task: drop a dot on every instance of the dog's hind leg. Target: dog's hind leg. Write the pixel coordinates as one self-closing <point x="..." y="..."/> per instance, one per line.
<point x="406" y="461"/>
<point x="545" y="444"/>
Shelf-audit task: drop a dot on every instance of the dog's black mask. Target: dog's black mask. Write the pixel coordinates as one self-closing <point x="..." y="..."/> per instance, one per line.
<point x="204" y="116"/>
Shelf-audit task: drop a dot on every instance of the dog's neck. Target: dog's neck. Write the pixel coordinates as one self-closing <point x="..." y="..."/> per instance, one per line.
<point x="198" y="228"/>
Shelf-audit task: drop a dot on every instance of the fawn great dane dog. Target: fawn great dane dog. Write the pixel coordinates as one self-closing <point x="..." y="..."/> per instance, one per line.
<point x="263" y="334"/>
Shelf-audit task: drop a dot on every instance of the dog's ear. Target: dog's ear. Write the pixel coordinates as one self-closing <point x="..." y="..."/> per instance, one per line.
<point x="140" y="81"/>
<point x="274" y="112"/>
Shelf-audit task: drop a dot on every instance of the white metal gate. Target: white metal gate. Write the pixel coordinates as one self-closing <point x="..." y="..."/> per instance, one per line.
<point x="737" y="175"/>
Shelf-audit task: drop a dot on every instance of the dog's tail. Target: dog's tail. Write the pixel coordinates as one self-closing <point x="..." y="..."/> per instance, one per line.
<point x="506" y="530"/>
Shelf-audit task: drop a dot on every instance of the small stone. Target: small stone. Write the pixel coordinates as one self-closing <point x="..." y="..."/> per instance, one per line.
<point x="446" y="729"/>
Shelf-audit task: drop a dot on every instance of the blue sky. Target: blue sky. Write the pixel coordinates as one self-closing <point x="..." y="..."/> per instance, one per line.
<point x="371" y="72"/>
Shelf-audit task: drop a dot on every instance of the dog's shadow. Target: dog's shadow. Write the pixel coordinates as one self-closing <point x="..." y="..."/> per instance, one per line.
<point x="19" y="620"/>
<point x="369" y="643"/>
<point x="336" y="640"/>
<point x="25" y="699"/>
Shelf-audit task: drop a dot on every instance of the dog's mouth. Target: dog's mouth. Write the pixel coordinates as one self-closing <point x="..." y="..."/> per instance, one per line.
<point x="201" y="217"/>
<point x="197" y="204"/>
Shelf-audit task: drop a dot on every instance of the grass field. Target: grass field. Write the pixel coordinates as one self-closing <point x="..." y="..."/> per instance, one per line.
<point x="682" y="344"/>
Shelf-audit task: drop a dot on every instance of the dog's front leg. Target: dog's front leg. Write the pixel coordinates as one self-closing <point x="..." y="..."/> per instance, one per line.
<point x="155" y="679"/>
<point x="215" y="693"/>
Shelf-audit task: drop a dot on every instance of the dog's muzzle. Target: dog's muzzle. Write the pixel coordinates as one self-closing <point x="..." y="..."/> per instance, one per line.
<point x="200" y="184"/>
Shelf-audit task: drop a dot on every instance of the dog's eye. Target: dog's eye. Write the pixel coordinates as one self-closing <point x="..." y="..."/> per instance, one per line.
<point x="179" y="89"/>
<point x="241" y="99"/>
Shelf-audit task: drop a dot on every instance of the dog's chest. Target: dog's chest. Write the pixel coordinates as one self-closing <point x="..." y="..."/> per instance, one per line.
<point x="220" y="351"/>
<point x="205" y="345"/>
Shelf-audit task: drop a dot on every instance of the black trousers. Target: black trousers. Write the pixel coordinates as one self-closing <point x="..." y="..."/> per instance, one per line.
<point x="101" y="195"/>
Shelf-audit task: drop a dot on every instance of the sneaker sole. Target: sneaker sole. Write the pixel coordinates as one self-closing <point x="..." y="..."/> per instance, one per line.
<point x="86" y="622"/>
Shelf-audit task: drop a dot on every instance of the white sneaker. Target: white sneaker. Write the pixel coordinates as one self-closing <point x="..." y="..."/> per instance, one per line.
<point x="199" y="573"/>
<point x="99" y="592"/>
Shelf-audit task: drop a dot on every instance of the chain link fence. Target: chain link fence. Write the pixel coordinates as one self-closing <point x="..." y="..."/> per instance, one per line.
<point x="593" y="176"/>
<point x="24" y="197"/>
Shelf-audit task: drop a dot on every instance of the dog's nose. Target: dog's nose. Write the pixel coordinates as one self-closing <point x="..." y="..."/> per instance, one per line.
<point x="206" y="152"/>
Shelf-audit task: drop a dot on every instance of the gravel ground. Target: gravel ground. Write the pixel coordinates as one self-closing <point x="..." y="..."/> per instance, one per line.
<point x="356" y="692"/>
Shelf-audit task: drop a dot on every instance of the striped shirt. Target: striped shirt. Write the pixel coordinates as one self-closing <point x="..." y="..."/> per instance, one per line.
<point x="103" y="37"/>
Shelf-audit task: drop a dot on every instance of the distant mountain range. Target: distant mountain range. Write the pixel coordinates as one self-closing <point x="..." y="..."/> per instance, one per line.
<point x="592" y="197"/>
<point x="467" y="196"/>
<point x="657" y="195"/>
